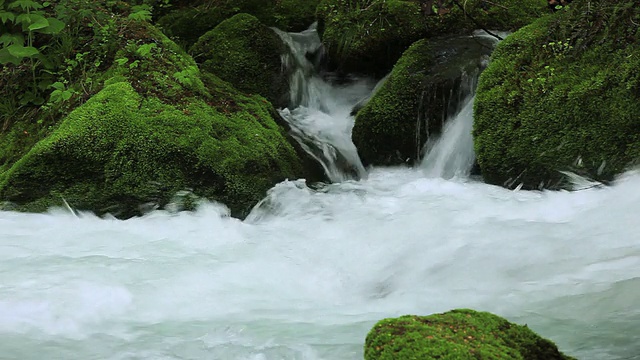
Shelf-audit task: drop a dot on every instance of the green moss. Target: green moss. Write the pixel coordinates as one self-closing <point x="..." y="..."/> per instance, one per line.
<point x="247" y="54"/>
<point x="423" y="87"/>
<point x="119" y="151"/>
<point x="505" y="15"/>
<point x="368" y="36"/>
<point x="159" y="126"/>
<point x="456" y="335"/>
<point x="562" y="94"/>
<point x="185" y="25"/>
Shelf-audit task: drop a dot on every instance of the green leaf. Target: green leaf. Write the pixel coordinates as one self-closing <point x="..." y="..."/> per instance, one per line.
<point x="142" y="15"/>
<point x="8" y="39"/>
<point x="25" y="5"/>
<point x="55" y="26"/>
<point x="6" y="57"/>
<point x="39" y="23"/>
<point x="21" y="51"/>
<point x="58" y="86"/>
<point x="7" y="16"/>
<point x="122" y="61"/>
<point x="145" y="50"/>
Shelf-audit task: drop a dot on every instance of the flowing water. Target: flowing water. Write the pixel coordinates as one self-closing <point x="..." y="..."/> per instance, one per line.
<point x="308" y="273"/>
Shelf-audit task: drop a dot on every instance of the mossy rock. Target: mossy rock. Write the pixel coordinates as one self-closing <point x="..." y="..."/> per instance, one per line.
<point x="248" y="55"/>
<point x="368" y="36"/>
<point x="187" y="23"/>
<point x="159" y="126"/>
<point x="457" y="335"/>
<point x="562" y="94"/>
<point x="423" y="89"/>
<point x="120" y="151"/>
<point x="446" y="17"/>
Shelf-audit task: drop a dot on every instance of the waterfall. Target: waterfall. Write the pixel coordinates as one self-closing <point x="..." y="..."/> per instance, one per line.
<point x="452" y="155"/>
<point x="319" y="112"/>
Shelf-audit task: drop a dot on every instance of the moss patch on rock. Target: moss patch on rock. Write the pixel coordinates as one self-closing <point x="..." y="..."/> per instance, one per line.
<point x="247" y="54"/>
<point x="423" y="88"/>
<point x="368" y="36"/>
<point x="187" y="23"/>
<point x="457" y="335"/>
<point x="446" y="17"/>
<point x="120" y="151"/>
<point x="562" y="94"/>
<point x="159" y="126"/>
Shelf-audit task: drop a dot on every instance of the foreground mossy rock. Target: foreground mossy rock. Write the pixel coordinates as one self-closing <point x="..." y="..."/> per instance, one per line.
<point x="120" y="151"/>
<point x="247" y="54"/>
<point x="369" y="36"/>
<point x="424" y="88"/>
<point x="158" y="127"/>
<point x="562" y="94"/>
<point x="188" y="23"/>
<point x="457" y="335"/>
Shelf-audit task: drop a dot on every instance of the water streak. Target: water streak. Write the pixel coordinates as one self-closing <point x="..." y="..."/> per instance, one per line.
<point x="321" y="119"/>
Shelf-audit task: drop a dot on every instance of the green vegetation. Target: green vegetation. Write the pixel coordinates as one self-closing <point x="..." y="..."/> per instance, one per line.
<point x="247" y="54"/>
<point x="121" y="150"/>
<point x="370" y="35"/>
<point x="186" y="24"/>
<point x="424" y="84"/>
<point x="130" y="121"/>
<point x="38" y="88"/>
<point x="456" y="335"/>
<point x="562" y="94"/>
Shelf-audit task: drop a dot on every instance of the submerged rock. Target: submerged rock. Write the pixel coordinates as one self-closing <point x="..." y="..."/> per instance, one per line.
<point x="457" y="334"/>
<point x="247" y="54"/>
<point x="423" y="90"/>
<point x="158" y="126"/>
<point x="562" y="94"/>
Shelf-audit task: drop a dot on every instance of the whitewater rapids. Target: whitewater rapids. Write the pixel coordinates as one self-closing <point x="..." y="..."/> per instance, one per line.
<point x="309" y="272"/>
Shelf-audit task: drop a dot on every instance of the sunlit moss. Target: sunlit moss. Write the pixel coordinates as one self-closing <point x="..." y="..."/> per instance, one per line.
<point x="456" y="335"/>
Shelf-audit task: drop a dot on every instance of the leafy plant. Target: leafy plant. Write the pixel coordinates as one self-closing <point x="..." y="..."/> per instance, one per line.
<point x="22" y="20"/>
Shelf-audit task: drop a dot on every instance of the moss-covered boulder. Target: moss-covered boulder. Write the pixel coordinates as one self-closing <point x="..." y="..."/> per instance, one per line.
<point x="562" y="94"/>
<point x="159" y="126"/>
<point x="369" y="36"/>
<point x="187" y="23"/>
<point x="247" y="54"/>
<point x="457" y="335"/>
<point x="451" y="17"/>
<point x="422" y="91"/>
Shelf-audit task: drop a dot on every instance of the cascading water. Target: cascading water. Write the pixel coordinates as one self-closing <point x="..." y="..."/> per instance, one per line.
<point x="452" y="153"/>
<point x="321" y="118"/>
<point x="308" y="273"/>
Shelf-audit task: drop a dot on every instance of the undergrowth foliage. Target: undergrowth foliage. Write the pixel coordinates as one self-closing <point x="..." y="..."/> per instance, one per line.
<point x="53" y="58"/>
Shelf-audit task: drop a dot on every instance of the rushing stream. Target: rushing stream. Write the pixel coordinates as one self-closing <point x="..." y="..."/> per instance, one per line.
<point x="308" y="273"/>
